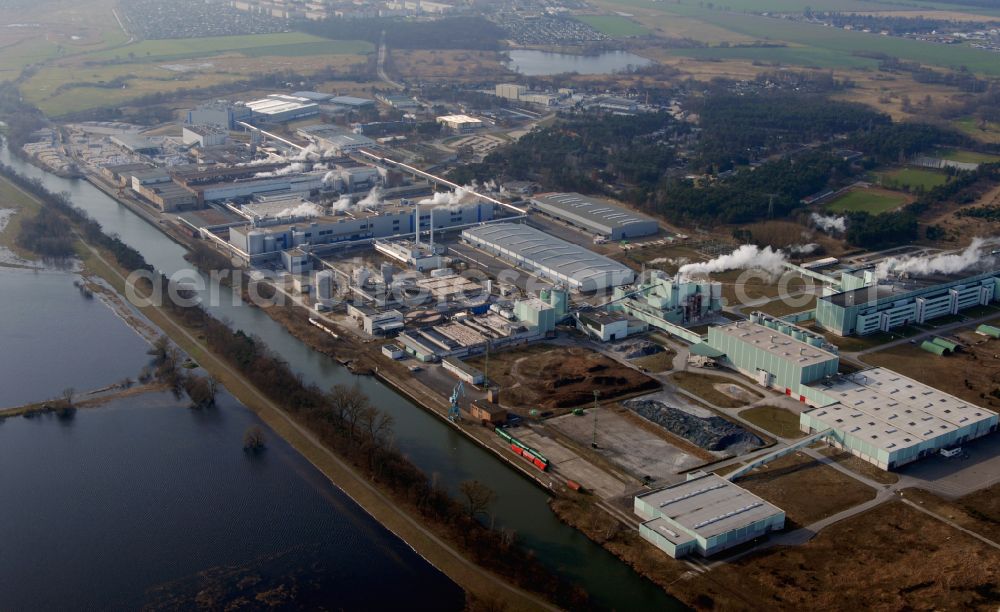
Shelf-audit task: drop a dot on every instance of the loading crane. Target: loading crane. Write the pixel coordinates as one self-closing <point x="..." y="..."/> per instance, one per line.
<point x="453" y="410"/>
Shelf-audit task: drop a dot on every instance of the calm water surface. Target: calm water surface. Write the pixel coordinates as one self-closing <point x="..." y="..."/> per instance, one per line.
<point x="51" y="338"/>
<point x="144" y="501"/>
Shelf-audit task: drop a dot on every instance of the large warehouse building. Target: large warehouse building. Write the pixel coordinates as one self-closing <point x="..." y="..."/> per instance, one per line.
<point x="595" y="216"/>
<point x="280" y="108"/>
<point x="706" y="514"/>
<point x="776" y="354"/>
<point x="884" y="306"/>
<point x="890" y="420"/>
<point x="533" y="250"/>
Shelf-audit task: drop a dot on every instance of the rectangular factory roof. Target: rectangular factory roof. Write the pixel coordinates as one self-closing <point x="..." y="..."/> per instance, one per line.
<point x="351" y="101"/>
<point x="774" y="342"/>
<point x="708" y="506"/>
<point x="892" y="411"/>
<point x="279" y="103"/>
<point x="542" y="249"/>
<point x="459" y="119"/>
<point x="589" y="209"/>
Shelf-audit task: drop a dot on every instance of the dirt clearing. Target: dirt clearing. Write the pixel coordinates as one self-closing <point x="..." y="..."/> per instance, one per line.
<point x="551" y="377"/>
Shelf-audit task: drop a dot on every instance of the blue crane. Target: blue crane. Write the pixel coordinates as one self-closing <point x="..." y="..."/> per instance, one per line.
<point x="457" y="392"/>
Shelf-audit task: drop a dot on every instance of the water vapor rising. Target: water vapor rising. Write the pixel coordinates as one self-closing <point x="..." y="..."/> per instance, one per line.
<point x="446" y="199"/>
<point x="948" y="263"/>
<point x="830" y="224"/>
<point x="804" y="249"/>
<point x="305" y="209"/>
<point x="746" y="257"/>
<point x="289" y="169"/>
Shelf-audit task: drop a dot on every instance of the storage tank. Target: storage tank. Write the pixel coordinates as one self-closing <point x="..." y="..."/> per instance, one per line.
<point x="560" y="301"/>
<point x="544" y="295"/>
<point x="255" y="242"/>
<point x="270" y="244"/>
<point x="815" y="341"/>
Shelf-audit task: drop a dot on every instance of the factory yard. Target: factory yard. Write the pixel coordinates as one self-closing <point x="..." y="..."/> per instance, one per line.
<point x="777" y="421"/>
<point x="640" y="451"/>
<point x="716" y="390"/>
<point x="548" y="377"/>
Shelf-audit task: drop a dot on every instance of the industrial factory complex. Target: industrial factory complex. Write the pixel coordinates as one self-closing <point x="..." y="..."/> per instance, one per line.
<point x="884" y="305"/>
<point x="478" y="293"/>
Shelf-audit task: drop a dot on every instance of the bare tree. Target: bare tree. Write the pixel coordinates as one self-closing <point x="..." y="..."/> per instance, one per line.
<point x="253" y="439"/>
<point x="478" y="496"/>
<point x="348" y="404"/>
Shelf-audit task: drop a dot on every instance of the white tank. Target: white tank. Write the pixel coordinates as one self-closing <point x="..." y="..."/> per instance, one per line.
<point x="270" y="243"/>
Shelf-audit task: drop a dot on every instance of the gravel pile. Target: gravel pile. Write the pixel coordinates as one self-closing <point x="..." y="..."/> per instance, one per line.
<point x="712" y="433"/>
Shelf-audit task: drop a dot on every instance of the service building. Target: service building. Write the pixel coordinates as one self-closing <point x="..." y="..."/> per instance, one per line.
<point x="595" y="216"/>
<point x="775" y="354"/>
<point x="706" y="514"/>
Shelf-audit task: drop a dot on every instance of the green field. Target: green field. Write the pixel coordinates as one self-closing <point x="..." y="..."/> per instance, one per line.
<point x="866" y="200"/>
<point x="289" y="44"/>
<point x="842" y="46"/>
<point x="912" y="178"/>
<point x="613" y="25"/>
<point x="969" y="157"/>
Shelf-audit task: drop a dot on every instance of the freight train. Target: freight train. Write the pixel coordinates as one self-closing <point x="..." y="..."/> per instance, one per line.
<point x="532" y="456"/>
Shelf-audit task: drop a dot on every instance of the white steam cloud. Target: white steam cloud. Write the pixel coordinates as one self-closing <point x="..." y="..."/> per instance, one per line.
<point x="948" y="263"/>
<point x="830" y="224"/>
<point x="746" y="257"/>
<point x="804" y="249"/>
<point x="446" y="199"/>
<point x="372" y="200"/>
<point x="305" y="209"/>
<point x="344" y="204"/>
<point x="289" y="169"/>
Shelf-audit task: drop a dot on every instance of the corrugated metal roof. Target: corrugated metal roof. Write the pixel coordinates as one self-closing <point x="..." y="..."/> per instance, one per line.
<point x="589" y="209"/>
<point x="543" y="250"/>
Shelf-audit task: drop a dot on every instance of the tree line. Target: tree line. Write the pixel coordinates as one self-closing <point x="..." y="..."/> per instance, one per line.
<point x="737" y="129"/>
<point x="584" y="153"/>
<point x="475" y="33"/>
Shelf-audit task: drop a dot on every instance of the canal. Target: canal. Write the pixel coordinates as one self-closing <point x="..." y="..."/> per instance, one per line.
<point x="428" y="442"/>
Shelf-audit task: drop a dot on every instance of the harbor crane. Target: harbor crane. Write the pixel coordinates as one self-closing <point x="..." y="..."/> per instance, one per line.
<point x="457" y="392"/>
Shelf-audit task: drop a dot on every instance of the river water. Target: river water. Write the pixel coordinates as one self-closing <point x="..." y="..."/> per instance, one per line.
<point x="49" y="333"/>
<point x="146" y="502"/>
<point x="531" y="62"/>
<point x="429" y="443"/>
